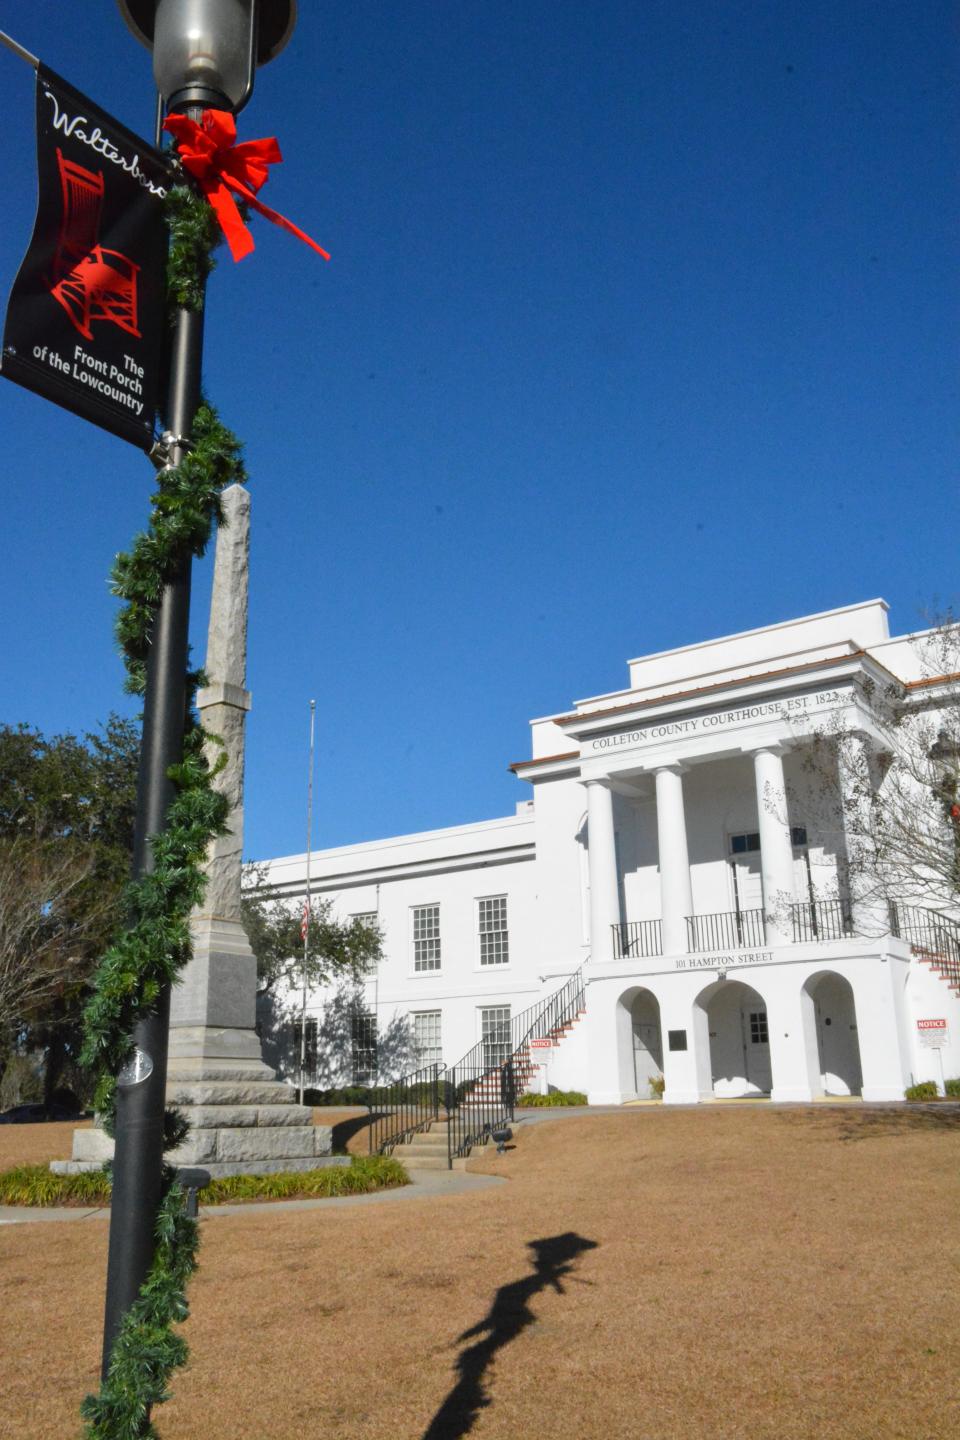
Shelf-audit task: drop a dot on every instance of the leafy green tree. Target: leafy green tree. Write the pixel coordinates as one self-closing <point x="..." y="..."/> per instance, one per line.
<point x="66" y="834"/>
<point x="335" y="948"/>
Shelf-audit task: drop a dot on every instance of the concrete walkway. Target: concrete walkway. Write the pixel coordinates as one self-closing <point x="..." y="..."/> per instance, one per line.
<point x="424" y="1185"/>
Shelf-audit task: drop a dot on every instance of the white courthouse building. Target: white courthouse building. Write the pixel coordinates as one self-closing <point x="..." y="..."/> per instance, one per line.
<point x="675" y="849"/>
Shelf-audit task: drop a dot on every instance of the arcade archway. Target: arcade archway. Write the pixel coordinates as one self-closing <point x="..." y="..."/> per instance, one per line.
<point x="830" y="1011"/>
<point x="739" y="1042"/>
<point x="639" y="1040"/>
<point x="647" y="1040"/>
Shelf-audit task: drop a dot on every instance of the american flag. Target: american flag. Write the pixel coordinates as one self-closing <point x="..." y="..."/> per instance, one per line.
<point x="305" y="922"/>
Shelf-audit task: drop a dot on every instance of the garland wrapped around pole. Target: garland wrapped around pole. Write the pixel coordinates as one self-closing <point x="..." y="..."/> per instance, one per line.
<point x="154" y="949"/>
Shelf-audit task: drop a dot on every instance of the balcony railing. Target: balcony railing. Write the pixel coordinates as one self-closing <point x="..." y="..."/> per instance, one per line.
<point x="726" y="930"/>
<point x="637" y="939"/>
<point x="821" y="920"/>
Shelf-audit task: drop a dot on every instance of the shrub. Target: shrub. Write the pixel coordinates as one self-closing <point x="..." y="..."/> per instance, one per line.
<point x="926" y="1090"/>
<point x="656" y="1083"/>
<point x="36" y="1185"/>
<point x="556" y="1097"/>
<point x="952" y="1088"/>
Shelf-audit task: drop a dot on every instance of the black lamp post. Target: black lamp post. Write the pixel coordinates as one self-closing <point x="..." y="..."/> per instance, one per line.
<point x="205" y="54"/>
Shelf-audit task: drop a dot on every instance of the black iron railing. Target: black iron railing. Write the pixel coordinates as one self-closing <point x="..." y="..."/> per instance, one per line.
<point x="636" y="939"/>
<point x="821" y="920"/>
<point x="481" y="1089"/>
<point x="726" y="930"/>
<point x="930" y="934"/>
<point x="401" y="1108"/>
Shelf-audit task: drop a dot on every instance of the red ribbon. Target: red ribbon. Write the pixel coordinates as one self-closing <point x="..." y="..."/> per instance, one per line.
<point x="209" y="153"/>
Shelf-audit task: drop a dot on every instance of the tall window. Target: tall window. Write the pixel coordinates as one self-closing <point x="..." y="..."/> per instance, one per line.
<point x="371" y="919"/>
<point x="310" y="1057"/>
<point x="426" y="1034"/>
<point x="363" y="1036"/>
<point x="426" y="937"/>
<point x="494" y="943"/>
<point x="495" y="1034"/>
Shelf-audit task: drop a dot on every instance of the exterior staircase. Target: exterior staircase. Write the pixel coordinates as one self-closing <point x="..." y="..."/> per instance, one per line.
<point x="434" y="1118"/>
<point x="430" y="1149"/>
<point x="524" y="1065"/>
<point x="933" y="938"/>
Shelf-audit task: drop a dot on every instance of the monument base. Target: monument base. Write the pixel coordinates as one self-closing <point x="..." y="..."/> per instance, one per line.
<point x="243" y="1121"/>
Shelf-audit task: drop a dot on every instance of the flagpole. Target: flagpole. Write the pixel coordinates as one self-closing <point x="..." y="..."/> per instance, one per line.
<point x="305" y="926"/>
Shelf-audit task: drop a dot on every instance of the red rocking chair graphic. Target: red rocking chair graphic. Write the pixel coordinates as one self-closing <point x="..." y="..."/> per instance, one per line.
<point x="91" y="283"/>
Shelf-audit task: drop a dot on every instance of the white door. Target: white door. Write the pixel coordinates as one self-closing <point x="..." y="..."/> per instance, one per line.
<point x="756" y="1046"/>
<point x="646" y="1053"/>
<point x="837" y="1038"/>
<point x="747" y="887"/>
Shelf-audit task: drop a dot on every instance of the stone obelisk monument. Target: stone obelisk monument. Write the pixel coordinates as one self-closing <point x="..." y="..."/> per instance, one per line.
<point x="242" y="1119"/>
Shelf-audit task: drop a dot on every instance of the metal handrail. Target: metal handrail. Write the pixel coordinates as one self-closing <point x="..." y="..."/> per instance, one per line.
<point x="637" y="939"/>
<point x="821" y="920"/>
<point x="935" y="936"/>
<point x="480" y="1096"/>
<point x="404" y="1106"/>
<point x="725" y="930"/>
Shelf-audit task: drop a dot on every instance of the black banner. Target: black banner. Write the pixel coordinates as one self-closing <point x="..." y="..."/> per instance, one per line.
<point x="85" y="319"/>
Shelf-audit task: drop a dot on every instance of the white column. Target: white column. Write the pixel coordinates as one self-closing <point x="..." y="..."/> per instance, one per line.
<point x="676" y="897"/>
<point x="602" y="857"/>
<point x="776" y="850"/>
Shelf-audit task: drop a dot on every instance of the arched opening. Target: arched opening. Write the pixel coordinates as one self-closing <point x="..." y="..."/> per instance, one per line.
<point x="837" y="1043"/>
<point x="647" y="1041"/>
<point x="736" y="1023"/>
<point x="639" y="1041"/>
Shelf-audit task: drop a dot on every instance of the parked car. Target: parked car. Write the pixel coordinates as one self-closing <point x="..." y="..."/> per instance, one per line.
<point x="35" y="1114"/>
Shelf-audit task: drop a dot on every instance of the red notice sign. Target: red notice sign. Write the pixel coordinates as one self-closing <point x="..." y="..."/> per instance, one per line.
<point x="932" y="1033"/>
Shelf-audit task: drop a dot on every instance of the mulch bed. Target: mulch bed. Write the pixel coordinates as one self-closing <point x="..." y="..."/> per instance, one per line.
<point x="707" y="1274"/>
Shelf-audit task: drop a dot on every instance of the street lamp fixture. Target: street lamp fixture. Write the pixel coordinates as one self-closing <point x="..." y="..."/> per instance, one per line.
<point x="205" y="55"/>
<point x="206" y="52"/>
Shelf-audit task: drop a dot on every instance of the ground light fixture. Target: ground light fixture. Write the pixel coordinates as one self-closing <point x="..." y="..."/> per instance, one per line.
<point x="206" y="52"/>
<point x="501" y="1135"/>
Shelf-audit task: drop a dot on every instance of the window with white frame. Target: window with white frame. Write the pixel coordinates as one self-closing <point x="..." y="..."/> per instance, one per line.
<point x="495" y="1034"/>
<point x="309" y="1048"/>
<point x="426" y="937"/>
<point x="371" y="920"/>
<point x="426" y="1035"/>
<point x="363" y="1037"/>
<point x="492" y="921"/>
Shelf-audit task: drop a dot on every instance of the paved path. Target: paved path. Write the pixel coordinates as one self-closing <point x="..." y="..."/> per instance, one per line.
<point x="424" y="1185"/>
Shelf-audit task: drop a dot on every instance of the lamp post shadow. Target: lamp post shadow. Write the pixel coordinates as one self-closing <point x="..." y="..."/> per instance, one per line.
<point x="510" y="1314"/>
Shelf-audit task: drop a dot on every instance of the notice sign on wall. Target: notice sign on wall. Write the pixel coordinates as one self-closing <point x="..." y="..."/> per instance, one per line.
<point x="932" y="1034"/>
<point x="85" y="319"/>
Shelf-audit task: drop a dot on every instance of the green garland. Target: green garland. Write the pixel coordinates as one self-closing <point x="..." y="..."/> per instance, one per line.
<point x="156" y="946"/>
<point x="194" y="235"/>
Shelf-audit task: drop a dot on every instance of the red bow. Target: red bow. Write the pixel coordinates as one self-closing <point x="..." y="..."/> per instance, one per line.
<point x="209" y="152"/>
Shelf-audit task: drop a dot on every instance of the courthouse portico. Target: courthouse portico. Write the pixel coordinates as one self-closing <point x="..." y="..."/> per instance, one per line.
<point x="725" y="951"/>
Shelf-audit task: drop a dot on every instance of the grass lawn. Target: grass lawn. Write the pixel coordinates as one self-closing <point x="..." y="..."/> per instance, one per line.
<point x="704" y="1274"/>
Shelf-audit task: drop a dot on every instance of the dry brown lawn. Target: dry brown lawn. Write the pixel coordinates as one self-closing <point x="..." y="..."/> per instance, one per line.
<point x="712" y="1274"/>
<point x="36" y="1144"/>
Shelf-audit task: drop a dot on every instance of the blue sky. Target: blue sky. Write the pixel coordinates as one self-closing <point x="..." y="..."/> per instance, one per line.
<point x="640" y="328"/>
